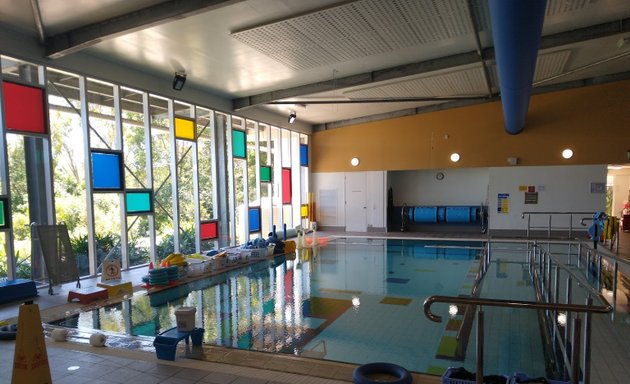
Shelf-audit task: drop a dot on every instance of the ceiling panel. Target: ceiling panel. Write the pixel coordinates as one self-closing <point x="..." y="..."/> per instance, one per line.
<point x="467" y="82"/>
<point x="357" y="30"/>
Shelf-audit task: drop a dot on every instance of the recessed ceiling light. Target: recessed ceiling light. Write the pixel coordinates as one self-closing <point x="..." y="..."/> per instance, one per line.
<point x="567" y="153"/>
<point x="455" y="157"/>
<point x="354" y="161"/>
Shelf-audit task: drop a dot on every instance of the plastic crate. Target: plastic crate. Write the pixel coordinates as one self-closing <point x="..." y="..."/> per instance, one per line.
<point x="447" y="379"/>
<point x="257" y="253"/>
<point x="245" y="256"/>
<point x="218" y="262"/>
<point x="195" y="267"/>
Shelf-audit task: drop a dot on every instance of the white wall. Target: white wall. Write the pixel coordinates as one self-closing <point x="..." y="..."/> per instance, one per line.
<point x="329" y="191"/>
<point x="458" y="187"/>
<point x="621" y="189"/>
<point x="329" y="198"/>
<point x="560" y="189"/>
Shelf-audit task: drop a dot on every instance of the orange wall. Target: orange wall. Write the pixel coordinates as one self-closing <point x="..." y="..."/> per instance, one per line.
<point x="593" y="121"/>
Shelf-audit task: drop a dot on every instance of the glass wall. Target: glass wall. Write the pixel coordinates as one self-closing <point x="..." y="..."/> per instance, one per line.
<point x="134" y="176"/>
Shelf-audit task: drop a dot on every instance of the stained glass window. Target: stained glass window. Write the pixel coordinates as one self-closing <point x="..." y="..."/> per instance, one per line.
<point x="185" y="129"/>
<point x="24" y="108"/>
<point x="107" y="170"/>
<point x="139" y="201"/>
<point x="286" y="185"/>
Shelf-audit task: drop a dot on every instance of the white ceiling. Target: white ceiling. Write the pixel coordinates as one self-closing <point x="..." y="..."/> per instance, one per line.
<point x="259" y="51"/>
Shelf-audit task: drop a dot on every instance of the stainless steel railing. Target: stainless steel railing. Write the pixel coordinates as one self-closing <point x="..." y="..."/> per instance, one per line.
<point x="587" y="255"/>
<point x="550" y="227"/>
<point x="547" y="294"/>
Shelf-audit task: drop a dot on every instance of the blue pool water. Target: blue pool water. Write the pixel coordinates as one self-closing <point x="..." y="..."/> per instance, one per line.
<point x="353" y="300"/>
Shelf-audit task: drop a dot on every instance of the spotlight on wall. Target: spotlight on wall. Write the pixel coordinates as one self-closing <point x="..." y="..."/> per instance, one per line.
<point x="292" y="117"/>
<point x="455" y="157"/>
<point x="179" y="81"/>
<point x="567" y="153"/>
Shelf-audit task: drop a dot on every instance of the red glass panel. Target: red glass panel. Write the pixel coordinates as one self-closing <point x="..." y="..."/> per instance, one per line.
<point x="209" y="230"/>
<point x="24" y="108"/>
<point x="286" y="185"/>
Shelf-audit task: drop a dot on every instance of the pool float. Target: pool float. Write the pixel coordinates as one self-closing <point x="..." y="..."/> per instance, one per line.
<point x="400" y="374"/>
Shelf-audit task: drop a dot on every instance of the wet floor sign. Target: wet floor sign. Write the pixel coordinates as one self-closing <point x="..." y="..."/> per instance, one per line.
<point x="30" y="361"/>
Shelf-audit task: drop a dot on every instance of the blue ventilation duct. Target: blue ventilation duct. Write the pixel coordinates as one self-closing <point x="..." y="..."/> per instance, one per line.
<point x="516" y="30"/>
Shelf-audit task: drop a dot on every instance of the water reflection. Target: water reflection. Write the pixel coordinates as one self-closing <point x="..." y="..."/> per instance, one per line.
<point x="293" y="304"/>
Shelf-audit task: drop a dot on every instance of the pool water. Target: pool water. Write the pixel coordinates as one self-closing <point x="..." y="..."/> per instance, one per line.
<point x="353" y="300"/>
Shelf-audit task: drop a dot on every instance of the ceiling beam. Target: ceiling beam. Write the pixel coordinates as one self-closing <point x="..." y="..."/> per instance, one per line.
<point x="39" y="25"/>
<point x="65" y="43"/>
<point x="547" y="42"/>
<point x="622" y="76"/>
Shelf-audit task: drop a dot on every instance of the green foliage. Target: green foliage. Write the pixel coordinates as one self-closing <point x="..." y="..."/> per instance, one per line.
<point x="186" y="243"/>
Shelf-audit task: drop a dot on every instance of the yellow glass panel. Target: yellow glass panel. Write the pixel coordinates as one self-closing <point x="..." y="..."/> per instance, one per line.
<point x="185" y="129"/>
<point x="304" y="211"/>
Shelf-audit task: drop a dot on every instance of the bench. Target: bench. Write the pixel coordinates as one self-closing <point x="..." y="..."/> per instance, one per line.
<point x="88" y="295"/>
<point x="116" y="287"/>
<point x="18" y="289"/>
<point x="166" y="342"/>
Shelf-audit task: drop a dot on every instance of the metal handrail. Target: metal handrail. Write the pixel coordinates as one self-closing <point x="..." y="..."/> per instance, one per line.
<point x="601" y="253"/>
<point x="523" y="304"/>
<point x="551" y="213"/>
<point x="572" y="331"/>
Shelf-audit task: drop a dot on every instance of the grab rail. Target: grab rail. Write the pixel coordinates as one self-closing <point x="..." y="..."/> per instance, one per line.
<point x="524" y="304"/>
<point x="549" y="226"/>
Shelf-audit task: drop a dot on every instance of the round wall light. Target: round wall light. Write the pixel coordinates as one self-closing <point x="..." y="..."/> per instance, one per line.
<point x="567" y="153"/>
<point x="455" y="157"/>
<point x="354" y="161"/>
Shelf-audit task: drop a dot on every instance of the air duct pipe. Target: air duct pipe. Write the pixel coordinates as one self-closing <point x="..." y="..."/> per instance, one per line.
<point x="516" y="30"/>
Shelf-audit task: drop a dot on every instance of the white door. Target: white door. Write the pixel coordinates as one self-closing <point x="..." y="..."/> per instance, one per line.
<point x="356" y="202"/>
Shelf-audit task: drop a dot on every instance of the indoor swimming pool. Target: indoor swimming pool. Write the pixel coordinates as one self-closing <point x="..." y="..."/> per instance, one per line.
<point x="354" y="300"/>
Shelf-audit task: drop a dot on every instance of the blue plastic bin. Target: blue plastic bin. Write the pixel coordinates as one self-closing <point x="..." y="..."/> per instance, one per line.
<point x="166" y="342"/>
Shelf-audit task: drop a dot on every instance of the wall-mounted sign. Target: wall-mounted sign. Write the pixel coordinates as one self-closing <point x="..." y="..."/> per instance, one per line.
<point x="531" y="197"/>
<point x="503" y="203"/>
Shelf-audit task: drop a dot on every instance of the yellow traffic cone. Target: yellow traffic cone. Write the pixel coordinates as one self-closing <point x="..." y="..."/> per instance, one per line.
<point x="30" y="361"/>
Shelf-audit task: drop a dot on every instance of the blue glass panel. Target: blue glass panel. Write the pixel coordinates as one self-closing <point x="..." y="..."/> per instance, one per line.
<point x="304" y="155"/>
<point x="254" y="219"/>
<point x="106" y="171"/>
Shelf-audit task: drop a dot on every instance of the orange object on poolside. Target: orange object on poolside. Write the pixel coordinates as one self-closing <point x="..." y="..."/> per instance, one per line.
<point x="320" y="241"/>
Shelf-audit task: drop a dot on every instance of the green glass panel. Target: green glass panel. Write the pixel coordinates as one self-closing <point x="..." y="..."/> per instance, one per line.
<point x="2" y="224"/>
<point x="238" y="143"/>
<point x="138" y="202"/>
<point x="265" y="173"/>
